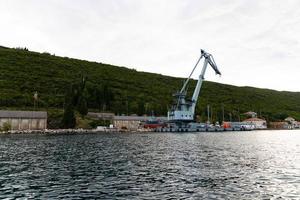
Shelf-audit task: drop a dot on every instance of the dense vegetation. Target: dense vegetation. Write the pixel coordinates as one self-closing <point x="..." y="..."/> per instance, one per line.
<point x="122" y="90"/>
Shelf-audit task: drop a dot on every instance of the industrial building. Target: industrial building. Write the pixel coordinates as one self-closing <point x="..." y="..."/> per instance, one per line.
<point x="132" y="122"/>
<point x="24" y="120"/>
<point x="102" y="116"/>
<point x="124" y="122"/>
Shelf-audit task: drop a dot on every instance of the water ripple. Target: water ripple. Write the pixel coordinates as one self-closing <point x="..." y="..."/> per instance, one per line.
<point x="263" y="165"/>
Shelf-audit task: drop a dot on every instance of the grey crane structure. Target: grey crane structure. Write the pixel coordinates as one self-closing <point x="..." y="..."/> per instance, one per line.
<point x="183" y="110"/>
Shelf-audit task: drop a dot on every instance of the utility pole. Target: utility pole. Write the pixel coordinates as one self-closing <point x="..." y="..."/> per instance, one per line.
<point x="211" y="114"/>
<point x="35" y="99"/>
<point x="223" y="112"/>
<point x="127" y="109"/>
<point x="208" y="114"/>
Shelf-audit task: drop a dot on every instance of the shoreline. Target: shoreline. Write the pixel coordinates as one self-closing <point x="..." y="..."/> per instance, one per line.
<point x="94" y="131"/>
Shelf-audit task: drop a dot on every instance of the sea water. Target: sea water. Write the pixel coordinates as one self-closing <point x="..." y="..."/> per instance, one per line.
<point x="227" y="165"/>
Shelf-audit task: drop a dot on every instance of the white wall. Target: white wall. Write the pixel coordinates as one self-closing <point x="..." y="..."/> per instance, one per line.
<point x="25" y="124"/>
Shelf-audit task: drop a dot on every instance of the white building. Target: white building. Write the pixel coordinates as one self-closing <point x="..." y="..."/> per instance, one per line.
<point x="24" y="120"/>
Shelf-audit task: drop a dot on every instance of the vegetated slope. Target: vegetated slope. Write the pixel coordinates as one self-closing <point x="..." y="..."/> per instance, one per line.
<point x="23" y="72"/>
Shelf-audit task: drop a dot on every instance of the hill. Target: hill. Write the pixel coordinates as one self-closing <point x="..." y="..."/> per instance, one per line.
<point x="23" y="72"/>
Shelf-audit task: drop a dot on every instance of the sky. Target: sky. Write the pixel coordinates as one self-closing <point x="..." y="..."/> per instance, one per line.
<point x="254" y="42"/>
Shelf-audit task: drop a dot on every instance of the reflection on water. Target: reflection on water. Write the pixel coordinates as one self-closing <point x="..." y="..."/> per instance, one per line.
<point x="246" y="165"/>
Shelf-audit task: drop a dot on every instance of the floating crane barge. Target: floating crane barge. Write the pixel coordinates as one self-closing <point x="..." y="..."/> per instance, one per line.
<point x="181" y="117"/>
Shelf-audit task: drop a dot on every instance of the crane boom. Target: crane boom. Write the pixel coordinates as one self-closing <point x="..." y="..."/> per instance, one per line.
<point x="208" y="60"/>
<point x="184" y="110"/>
<point x="187" y="80"/>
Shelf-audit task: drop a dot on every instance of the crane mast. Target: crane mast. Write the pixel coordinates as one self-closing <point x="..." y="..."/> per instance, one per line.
<point x="184" y="109"/>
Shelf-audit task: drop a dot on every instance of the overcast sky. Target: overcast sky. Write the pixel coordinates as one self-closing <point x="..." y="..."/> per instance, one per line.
<point x="254" y="42"/>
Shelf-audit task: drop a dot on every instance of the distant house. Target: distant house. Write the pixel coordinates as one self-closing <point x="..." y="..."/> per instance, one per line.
<point x="24" y="120"/>
<point x="251" y="114"/>
<point x="292" y="122"/>
<point x="257" y="122"/>
<point x="290" y="119"/>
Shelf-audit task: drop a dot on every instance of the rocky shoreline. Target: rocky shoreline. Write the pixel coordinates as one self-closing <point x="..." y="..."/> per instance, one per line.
<point x="57" y="131"/>
<point x="72" y="131"/>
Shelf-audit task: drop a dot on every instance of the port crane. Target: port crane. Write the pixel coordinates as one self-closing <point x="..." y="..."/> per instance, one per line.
<point x="183" y="110"/>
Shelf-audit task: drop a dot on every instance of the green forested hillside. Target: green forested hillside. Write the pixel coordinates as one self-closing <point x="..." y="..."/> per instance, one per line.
<point x="130" y="92"/>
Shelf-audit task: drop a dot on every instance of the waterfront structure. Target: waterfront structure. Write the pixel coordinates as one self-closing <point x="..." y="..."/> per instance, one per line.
<point x="257" y="122"/>
<point x="132" y="123"/>
<point x="101" y="115"/>
<point x="124" y="122"/>
<point x="24" y="120"/>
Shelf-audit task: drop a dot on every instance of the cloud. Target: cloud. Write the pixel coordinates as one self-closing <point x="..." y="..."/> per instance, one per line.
<point x="255" y="42"/>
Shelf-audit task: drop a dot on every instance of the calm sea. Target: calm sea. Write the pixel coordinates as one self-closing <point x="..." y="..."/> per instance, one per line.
<point x="229" y="165"/>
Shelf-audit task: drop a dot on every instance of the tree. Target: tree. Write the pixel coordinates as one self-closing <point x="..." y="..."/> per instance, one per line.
<point x="98" y="98"/>
<point x="69" y="120"/>
<point x="141" y="108"/>
<point x="107" y="97"/>
<point x="75" y="98"/>
<point x="6" y="126"/>
<point x="82" y="107"/>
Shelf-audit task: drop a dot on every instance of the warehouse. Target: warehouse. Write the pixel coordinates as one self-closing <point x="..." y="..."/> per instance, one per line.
<point x="24" y="120"/>
<point x="132" y="122"/>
